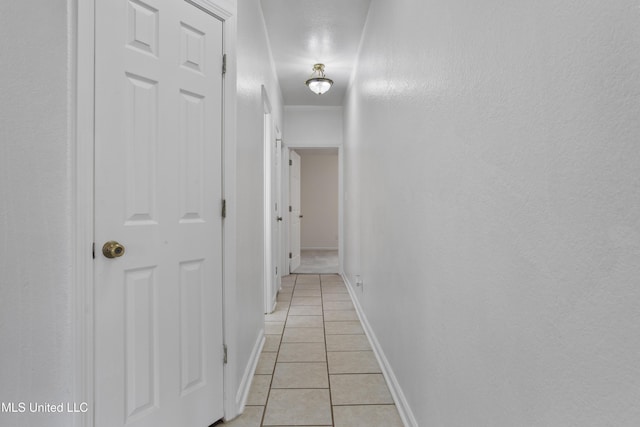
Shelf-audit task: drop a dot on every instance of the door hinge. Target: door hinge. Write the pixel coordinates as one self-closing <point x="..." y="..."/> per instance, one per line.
<point x="224" y="350"/>
<point x="290" y="162"/>
<point x="290" y="209"/>
<point x="276" y="270"/>
<point x="290" y="255"/>
<point x="224" y="208"/>
<point x="224" y="64"/>
<point x="93" y="250"/>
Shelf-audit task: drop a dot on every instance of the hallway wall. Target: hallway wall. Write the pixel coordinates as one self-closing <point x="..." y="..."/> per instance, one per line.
<point x="493" y="181"/>
<point x="313" y="126"/>
<point x="255" y="69"/>
<point x="319" y="199"/>
<point x="36" y="210"/>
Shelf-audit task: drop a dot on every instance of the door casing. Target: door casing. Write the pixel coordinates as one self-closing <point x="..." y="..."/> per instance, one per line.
<point x="295" y="213"/>
<point x="272" y="159"/>
<point x="82" y="43"/>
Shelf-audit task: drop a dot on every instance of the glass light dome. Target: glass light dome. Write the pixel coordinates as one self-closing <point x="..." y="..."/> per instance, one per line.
<point x="318" y="83"/>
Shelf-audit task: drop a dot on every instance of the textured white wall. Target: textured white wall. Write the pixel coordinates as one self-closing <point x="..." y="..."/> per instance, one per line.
<point x="36" y="299"/>
<point x="493" y="180"/>
<point x="254" y="70"/>
<point x="319" y="200"/>
<point x="309" y="126"/>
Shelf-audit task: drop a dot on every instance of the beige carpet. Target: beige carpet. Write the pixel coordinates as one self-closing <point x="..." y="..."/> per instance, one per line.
<point x="318" y="261"/>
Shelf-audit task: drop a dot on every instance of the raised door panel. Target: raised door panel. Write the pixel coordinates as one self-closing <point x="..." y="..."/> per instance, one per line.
<point x="143" y="27"/>
<point x="141" y="342"/>
<point x="192" y="155"/>
<point x="192" y="48"/>
<point x="191" y="325"/>
<point x="141" y="148"/>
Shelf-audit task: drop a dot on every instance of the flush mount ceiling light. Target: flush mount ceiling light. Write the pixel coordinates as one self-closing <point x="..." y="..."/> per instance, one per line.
<point x="318" y="83"/>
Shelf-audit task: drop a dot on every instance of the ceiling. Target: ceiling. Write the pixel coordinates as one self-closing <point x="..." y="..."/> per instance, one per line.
<point x="306" y="32"/>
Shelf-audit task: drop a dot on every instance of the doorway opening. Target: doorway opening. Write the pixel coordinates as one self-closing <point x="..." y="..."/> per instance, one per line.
<point x="314" y="193"/>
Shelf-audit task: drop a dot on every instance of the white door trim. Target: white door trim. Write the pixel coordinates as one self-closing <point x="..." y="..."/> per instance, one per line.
<point x="269" y="298"/>
<point x="284" y="200"/>
<point x="82" y="44"/>
<point x="295" y="206"/>
<point x="269" y="135"/>
<point x="277" y="257"/>
<point x="84" y="52"/>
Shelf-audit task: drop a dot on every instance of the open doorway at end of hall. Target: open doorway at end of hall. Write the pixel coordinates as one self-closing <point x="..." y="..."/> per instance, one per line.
<point x="314" y="216"/>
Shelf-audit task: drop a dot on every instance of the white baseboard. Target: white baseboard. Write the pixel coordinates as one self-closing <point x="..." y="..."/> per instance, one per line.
<point x="247" y="378"/>
<point x="408" y="419"/>
<point x="319" y="249"/>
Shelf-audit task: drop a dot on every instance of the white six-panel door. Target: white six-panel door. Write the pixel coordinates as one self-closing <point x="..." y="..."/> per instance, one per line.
<point x="158" y="144"/>
<point x="294" y="214"/>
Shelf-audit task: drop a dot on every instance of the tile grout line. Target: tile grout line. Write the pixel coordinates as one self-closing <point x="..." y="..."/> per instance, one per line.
<point x="325" y="335"/>
<point x="273" y="371"/>
<point x="326" y="353"/>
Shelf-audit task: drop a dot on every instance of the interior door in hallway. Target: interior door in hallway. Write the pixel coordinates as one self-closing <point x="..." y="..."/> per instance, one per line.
<point x="294" y="214"/>
<point x="271" y="214"/>
<point x="158" y="179"/>
<point x="275" y="215"/>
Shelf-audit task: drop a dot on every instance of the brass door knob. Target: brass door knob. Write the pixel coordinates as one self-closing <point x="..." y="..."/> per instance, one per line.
<point x="112" y="249"/>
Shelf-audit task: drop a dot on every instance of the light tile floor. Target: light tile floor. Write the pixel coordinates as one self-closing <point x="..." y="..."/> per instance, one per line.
<point x="317" y="367"/>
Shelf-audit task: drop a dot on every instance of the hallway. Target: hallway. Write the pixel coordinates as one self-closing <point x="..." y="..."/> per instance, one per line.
<point x="488" y="213"/>
<point x="317" y="367"/>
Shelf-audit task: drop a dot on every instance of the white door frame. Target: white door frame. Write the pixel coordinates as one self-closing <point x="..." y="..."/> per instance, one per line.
<point x="275" y="258"/>
<point x="271" y="135"/>
<point x="285" y="203"/>
<point x="281" y="214"/>
<point x="267" y="136"/>
<point x="82" y="44"/>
